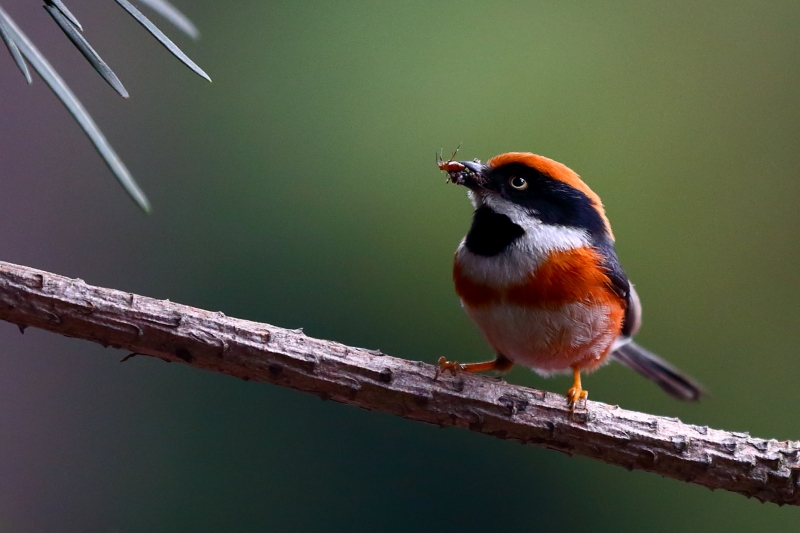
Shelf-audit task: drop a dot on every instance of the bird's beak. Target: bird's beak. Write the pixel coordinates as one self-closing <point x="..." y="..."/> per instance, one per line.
<point x="470" y="174"/>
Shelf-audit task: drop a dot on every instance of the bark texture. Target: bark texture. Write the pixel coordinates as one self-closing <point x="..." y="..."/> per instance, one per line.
<point x="764" y="469"/>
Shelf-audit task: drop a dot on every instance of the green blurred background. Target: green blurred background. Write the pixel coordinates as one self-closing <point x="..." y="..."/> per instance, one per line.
<point x="300" y="189"/>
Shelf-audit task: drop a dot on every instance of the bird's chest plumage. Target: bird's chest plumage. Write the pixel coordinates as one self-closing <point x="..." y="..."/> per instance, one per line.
<point x="542" y="300"/>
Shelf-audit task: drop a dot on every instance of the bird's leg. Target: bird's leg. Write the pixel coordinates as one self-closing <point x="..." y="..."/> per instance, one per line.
<point x="576" y="392"/>
<point x="501" y="363"/>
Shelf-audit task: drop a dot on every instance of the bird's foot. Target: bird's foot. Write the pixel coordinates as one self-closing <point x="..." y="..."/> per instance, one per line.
<point x="575" y="394"/>
<point x="443" y="365"/>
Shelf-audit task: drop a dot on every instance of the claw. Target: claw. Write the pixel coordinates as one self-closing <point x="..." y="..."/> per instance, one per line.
<point x="575" y="394"/>
<point x="444" y="365"/>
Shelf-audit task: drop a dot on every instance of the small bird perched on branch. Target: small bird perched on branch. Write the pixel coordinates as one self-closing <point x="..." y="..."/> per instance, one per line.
<point x="538" y="274"/>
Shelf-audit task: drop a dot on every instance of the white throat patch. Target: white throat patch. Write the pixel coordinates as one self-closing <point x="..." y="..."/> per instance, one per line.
<point x="524" y="255"/>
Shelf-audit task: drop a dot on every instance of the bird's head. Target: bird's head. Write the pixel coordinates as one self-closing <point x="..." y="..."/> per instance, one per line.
<point x="522" y="184"/>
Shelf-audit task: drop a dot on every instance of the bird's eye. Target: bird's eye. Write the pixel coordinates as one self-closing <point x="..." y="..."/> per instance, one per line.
<point x="518" y="183"/>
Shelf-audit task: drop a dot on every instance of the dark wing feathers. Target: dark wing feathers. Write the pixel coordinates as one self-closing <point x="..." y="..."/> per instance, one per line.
<point x="619" y="284"/>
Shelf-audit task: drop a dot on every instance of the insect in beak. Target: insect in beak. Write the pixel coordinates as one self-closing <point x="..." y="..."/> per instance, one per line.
<point x="466" y="173"/>
<point x="450" y="166"/>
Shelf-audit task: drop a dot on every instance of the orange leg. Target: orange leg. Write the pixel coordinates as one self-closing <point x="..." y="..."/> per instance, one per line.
<point x="576" y="392"/>
<point x="501" y="364"/>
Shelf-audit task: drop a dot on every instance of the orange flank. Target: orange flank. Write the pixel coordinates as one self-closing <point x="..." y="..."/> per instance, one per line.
<point x="565" y="277"/>
<point x="555" y="170"/>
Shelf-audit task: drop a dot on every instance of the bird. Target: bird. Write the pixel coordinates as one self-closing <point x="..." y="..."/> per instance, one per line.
<point x="539" y="275"/>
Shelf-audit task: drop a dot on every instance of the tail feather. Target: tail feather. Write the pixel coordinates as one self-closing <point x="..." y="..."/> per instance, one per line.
<point x="651" y="366"/>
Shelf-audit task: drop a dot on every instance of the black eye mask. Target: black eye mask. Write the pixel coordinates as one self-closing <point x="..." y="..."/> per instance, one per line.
<point x="552" y="201"/>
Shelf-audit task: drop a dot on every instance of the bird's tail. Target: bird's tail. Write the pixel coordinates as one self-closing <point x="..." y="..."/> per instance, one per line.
<point x="651" y="366"/>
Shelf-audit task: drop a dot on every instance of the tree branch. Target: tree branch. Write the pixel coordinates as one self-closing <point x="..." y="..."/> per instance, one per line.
<point x="765" y="469"/>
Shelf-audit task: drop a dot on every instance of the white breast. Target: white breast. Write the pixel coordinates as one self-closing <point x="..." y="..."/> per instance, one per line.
<point x="548" y="341"/>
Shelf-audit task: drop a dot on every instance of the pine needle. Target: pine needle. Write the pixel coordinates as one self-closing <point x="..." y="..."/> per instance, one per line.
<point x="73" y="105"/>
<point x="173" y="16"/>
<point x="64" y="11"/>
<point x="163" y="39"/>
<point x="86" y="49"/>
<point x="12" y="48"/>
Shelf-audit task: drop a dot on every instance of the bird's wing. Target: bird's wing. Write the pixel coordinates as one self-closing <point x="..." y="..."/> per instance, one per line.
<point x="619" y="283"/>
